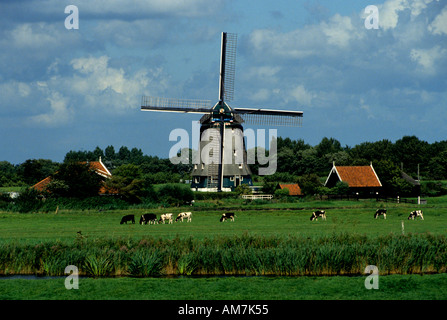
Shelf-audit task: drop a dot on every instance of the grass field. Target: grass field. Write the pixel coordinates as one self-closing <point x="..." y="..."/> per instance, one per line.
<point x="281" y="220"/>
<point x="343" y="217"/>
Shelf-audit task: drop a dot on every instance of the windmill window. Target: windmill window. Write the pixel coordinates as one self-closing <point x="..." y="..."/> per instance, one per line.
<point x="196" y="180"/>
<point x="203" y="166"/>
<point x="195" y="167"/>
<point x="240" y="165"/>
<point x="231" y="178"/>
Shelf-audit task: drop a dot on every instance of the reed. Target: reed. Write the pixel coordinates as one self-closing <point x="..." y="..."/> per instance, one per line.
<point x="335" y="254"/>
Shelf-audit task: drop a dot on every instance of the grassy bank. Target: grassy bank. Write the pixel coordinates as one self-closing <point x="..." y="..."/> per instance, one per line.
<point x="393" y="287"/>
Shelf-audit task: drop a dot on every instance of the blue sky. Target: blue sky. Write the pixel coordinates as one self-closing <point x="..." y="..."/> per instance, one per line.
<point x="63" y="90"/>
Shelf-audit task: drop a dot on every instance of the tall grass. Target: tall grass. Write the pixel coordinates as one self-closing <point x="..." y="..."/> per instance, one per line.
<point x="337" y="254"/>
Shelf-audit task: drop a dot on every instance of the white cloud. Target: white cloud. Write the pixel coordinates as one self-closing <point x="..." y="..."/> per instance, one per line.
<point x="299" y="43"/>
<point x="427" y="57"/>
<point x="112" y="89"/>
<point x="340" y="31"/>
<point x="32" y="35"/>
<point x="261" y="95"/>
<point x="59" y="113"/>
<point x="439" y="24"/>
<point x="390" y="10"/>
<point x="302" y="96"/>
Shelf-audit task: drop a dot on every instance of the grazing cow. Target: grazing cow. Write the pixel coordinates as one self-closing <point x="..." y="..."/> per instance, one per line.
<point x="228" y="215"/>
<point x="184" y="215"/>
<point x="415" y="214"/>
<point x="164" y="217"/>
<point x="316" y="214"/>
<point x="148" y="217"/>
<point x="129" y="217"/>
<point x="380" y="212"/>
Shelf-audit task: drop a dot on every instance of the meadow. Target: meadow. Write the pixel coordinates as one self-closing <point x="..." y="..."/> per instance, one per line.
<point x="278" y="219"/>
<point x="266" y="240"/>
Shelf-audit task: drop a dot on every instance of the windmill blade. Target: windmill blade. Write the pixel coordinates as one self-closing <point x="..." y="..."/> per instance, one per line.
<point x="270" y="117"/>
<point x="227" y="66"/>
<point x="175" y="105"/>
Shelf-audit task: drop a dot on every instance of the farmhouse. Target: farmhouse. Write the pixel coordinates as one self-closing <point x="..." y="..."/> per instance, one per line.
<point x="294" y="189"/>
<point x="360" y="179"/>
<point x="99" y="168"/>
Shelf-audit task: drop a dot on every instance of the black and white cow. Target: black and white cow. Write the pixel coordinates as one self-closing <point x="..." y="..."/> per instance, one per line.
<point x="416" y="213"/>
<point x="184" y="215"/>
<point x="165" y="217"/>
<point x="146" y="218"/>
<point x="129" y="217"/>
<point x="316" y="214"/>
<point x="380" y="212"/>
<point x="227" y="215"/>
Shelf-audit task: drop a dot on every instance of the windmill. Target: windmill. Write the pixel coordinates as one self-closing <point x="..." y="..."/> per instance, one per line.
<point x="222" y="153"/>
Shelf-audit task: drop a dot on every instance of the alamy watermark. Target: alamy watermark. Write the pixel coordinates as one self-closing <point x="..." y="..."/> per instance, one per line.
<point x="234" y="153"/>
<point x="372" y="281"/>
<point x="72" y="281"/>
<point x="372" y="20"/>
<point x="72" y="20"/>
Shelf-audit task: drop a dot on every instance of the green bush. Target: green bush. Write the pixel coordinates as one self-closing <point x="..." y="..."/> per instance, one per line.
<point x="175" y="194"/>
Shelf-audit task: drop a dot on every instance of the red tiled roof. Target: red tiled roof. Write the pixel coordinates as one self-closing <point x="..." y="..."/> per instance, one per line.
<point x="42" y="185"/>
<point x="294" y="189"/>
<point x="357" y="176"/>
<point x="99" y="168"/>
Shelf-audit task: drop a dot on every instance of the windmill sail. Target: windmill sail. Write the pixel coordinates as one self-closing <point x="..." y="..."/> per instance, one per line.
<point x="270" y="117"/>
<point x="175" y="105"/>
<point x="227" y="66"/>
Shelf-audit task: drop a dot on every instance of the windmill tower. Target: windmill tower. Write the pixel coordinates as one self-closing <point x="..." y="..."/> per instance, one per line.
<point x="222" y="152"/>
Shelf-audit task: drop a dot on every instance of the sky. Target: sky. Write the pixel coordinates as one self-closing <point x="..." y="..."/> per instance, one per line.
<point x="64" y="88"/>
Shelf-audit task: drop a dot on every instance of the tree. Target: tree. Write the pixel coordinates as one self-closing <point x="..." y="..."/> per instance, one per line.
<point x="437" y="167"/>
<point x="109" y="153"/>
<point x="8" y="175"/>
<point x="309" y="184"/>
<point x="81" y="181"/>
<point x="32" y="171"/>
<point x="410" y="151"/>
<point x="268" y="187"/>
<point x="327" y="146"/>
<point x="387" y="172"/>
<point x="127" y="182"/>
<point x="341" y="188"/>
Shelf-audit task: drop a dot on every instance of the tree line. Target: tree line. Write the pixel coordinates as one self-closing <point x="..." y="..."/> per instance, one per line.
<point x="155" y="170"/>
<point x="297" y="161"/>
